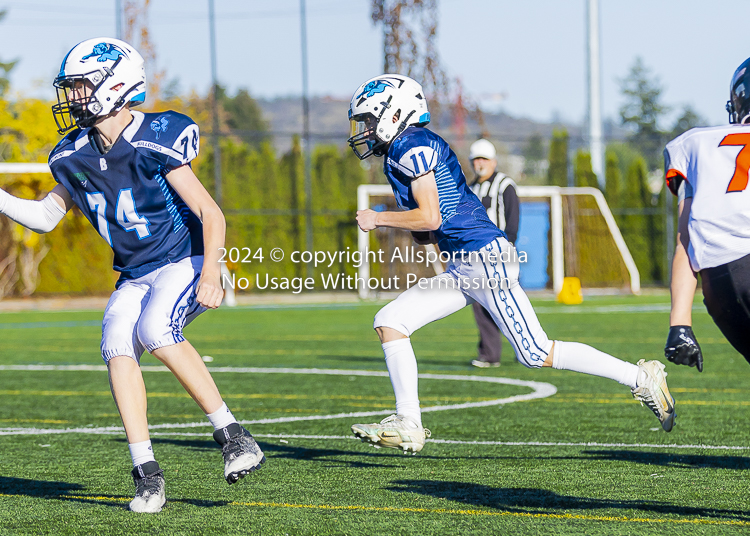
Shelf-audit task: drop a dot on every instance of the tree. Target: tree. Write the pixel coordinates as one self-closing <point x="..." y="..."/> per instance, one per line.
<point x="27" y="135"/>
<point x="245" y="117"/>
<point x="643" y="111"/>
<point x="557" y="173"/>
<point x="5" y="67"/>
<point x="584" y="175"/>
<point x="642" y="228"/>
<point x="613" y="178"/>
<point x="410" y="48"/>
<point x="410" y="40"/>
<point x="533" y="152"/>
<point x="687" y="120"/>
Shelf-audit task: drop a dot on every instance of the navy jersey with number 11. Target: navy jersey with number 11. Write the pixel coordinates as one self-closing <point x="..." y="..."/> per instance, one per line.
<point x="125" y="195"/>
<point x="465" y="225"/>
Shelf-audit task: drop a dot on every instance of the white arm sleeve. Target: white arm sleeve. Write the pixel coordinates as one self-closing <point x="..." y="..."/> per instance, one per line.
<point x="39" y="216"/>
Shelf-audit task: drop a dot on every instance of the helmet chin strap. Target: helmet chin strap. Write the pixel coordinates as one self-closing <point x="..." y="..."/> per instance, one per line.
<point x="119" y="103"/>
<point x="403" y="124"/>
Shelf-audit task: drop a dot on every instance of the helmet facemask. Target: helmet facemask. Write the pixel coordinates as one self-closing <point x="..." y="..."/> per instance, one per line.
<point x="363" y="134"/>
<point x="79" y="111"/>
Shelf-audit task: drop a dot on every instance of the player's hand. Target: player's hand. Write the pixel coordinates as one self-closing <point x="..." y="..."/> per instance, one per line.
<point x="366" y="219"/>
<point x="682" y="347"/>
<point x="209" y="290"/>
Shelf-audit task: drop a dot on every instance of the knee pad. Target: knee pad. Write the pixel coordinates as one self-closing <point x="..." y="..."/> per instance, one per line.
<point x="119" y="338"/>
<point x="153" y="333"/>
<point x="390" y="317"/>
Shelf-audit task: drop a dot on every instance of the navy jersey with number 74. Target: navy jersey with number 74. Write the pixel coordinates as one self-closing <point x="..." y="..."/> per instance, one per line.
<point x="125" y="195"/>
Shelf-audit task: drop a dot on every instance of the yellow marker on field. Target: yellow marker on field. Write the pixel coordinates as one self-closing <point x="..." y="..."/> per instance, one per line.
<point x="571" y="291"/>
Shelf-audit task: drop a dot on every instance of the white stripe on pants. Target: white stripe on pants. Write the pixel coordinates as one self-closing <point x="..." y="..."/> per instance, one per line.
<point x="149" y="312"/>
<point x="481" y="277"/>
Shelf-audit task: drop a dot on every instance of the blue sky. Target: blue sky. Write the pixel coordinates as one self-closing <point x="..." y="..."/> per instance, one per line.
<point x="532" y="51"/>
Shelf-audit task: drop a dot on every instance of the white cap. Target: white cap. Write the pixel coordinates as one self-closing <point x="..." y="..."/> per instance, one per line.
<point x="482" y="149"/>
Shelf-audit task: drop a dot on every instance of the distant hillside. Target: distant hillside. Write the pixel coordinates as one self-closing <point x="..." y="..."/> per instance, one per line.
<point x="329" y="124"/>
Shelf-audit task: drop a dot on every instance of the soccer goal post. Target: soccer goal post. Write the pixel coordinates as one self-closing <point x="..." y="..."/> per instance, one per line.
<point x="584" y="239"/>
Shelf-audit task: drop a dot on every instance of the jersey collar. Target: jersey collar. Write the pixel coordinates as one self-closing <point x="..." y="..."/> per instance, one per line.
<point x="134" y="125"/>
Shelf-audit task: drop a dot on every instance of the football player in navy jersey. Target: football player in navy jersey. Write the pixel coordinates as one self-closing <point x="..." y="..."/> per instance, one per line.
<point x="129" y="173"/>
<point x="388" y="115"/>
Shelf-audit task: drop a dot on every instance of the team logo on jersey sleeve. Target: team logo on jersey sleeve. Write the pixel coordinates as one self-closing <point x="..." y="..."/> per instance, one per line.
<point x="159" y="125"/>
<point x="105" y="52"/>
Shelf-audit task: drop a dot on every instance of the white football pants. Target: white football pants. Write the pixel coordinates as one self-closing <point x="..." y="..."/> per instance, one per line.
<point x="149" y="312"/>
<point x="483" y="278"/>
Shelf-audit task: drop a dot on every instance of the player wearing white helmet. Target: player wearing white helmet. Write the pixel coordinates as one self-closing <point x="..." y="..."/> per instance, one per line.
<point x="130" y="175"/>
<point x="707" y="168"/>
<point x="388" y="114"/>
<point x="115" y="74"/>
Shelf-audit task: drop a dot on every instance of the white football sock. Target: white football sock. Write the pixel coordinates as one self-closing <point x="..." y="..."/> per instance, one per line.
<point x="402" y="368"/>
<point x="221" y="418"/>
<point x="583" y="358"/>
<point x="141" y="452"/>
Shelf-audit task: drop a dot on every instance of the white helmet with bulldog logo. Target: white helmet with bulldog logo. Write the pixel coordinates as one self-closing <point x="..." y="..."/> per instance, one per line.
<point x="108" y="74"/>
<point x="381" y="109"/>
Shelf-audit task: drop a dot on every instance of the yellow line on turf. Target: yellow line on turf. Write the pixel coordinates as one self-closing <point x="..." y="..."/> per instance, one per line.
<point x="621" y="519"/>
<point x="489" y="513"/>
<point x="95" y="498"/>
<point x="45" y="421"/>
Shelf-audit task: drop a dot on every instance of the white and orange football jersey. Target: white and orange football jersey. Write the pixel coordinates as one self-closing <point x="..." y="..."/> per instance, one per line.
<point x="715" y="162"/>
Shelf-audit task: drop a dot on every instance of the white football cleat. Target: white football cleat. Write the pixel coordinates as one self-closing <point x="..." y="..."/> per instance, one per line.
<point x="396" y="431"/>
<point x="653" y="392"/>
<point x="242" y="455"/>
<point x="149" y="488"/>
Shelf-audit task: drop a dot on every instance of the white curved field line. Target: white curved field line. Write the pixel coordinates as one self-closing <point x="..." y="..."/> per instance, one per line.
<point x="540" y="390"/>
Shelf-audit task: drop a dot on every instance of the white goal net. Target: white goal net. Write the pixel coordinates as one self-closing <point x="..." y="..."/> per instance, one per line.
<point x="565" y="232"/>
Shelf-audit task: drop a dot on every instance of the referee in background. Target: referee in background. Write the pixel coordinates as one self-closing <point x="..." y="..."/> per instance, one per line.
<point x="499" y="197"/>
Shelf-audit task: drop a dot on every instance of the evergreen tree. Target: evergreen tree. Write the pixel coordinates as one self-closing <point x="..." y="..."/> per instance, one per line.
<point x="292" y="169"/>
<point x="584" y="175"/>
<point x="613" y="178"/>
<point x="643" y="111"/>
<point x="642" y="230"/>
<point x="533" y="153"/>
<point x="243" y="115"/>
<point x="687" y="120"/>
<point x="636" y="193"/>
<point x="557" y="173"/>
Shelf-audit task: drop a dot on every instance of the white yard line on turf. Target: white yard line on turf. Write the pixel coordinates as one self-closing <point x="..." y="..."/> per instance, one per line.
<point x="115" y="430"/>
<point x="539" y="390"/>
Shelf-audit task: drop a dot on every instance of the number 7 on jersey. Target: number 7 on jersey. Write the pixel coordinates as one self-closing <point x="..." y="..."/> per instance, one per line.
<point x="740" y="177"/>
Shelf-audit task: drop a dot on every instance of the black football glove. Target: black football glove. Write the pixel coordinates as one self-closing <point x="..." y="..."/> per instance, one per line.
<point x="682" y="347"/>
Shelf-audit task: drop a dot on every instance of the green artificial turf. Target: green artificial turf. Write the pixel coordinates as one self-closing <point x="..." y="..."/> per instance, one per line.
<point x="586" y="460"/>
